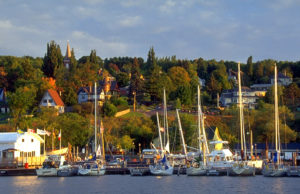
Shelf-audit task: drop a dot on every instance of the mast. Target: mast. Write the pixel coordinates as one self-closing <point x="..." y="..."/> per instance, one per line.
<point x="181" y="133"/>
<point x="95" y="116"/>
<point x="166" y="127"/>
<point x="199" y="120"/>
<point x="242" y="128"/>
<point x="159" y="133"/>
<point x="277" y="134"/>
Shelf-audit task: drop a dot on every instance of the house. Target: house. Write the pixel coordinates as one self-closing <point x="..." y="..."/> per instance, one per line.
<point x="261" y="89"/>
<point x="282" y="80"/>
<point x="52" y="99"/>
<point x="87" y="94"/>
<point x="21" y="146"/>
<point x="105" y="90"/>
<point x="3" y="103"/>
<point x="229" y="97"/>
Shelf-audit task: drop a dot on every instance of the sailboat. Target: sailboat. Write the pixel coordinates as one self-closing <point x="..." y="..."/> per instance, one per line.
<point x="277" y="169"/>
<point x="242" y="168"/>
<point x="162" y="167"/>
<point x="96" y="166"/>
<point x="199" y="168"/>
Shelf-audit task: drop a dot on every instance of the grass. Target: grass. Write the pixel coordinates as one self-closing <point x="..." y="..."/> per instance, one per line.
<point x="132" y="114"/>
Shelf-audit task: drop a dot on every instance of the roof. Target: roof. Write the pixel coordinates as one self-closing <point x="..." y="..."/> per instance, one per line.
<point x="90" y="90"/>
<point x="54" y="95"/>
<point x="11" y="137"/>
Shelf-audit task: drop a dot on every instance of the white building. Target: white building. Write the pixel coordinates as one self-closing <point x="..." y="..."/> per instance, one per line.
<point x="282" y="80"/>
<point x="52" y="99"/>
<point x="15" y="145"/>
<point x="229" y="97"/>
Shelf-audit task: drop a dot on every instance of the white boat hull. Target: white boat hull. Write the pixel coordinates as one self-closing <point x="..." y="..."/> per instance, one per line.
<point x="91" y="172"/>
<point x="192" y="171"/>
<point x="45" y="172"/>
<point x="274" y="172"/>
<point x="161" y="172"/>
<point x="242" y="171"/>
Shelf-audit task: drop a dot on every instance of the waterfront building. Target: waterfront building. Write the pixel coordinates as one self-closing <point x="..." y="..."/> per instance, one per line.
<point x="23" y="147"/>
<point x="282" y="80"/>
<point x="52" y="99"/>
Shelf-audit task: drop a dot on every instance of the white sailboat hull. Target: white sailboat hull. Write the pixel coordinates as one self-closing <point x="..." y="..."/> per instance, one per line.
<point x="45" y="172"/>
<point x="242" y="171"/>
<point x="91" y="172"/>
<point x="161" y="172"/>
<point x="192" y="171"/>
<point x="274" y="172"/>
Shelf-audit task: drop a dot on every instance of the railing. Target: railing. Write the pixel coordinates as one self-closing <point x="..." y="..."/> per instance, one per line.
<point x="20" y="162"/>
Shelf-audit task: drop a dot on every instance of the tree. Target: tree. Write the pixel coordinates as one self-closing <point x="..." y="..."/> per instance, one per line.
<point x="122" y="79"/>
<point x="20" y="102"/>
<point x="53" y="59"/>
<point x="179" y="76"/>
<point x="136" y="83"/>
<point x="250" y="67"/>
<point x="291" y="93"/>
<point x="109" y="109"/>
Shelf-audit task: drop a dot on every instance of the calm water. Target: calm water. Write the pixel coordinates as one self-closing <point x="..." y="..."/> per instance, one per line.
<point x="149" y="184"/>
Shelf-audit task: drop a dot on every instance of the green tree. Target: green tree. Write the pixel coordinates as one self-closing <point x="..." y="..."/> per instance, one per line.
<point x="250" y="67"/>
<point x="109" y="109"/>
<point x="53" y="59"/>
<point x="136" y="83"/>
<point x="292" y="94"/>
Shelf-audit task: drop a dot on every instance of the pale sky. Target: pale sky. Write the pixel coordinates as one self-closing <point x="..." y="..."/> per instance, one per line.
<point x="189" y="29"/>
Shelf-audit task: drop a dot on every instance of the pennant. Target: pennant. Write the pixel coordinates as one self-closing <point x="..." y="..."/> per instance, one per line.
<point x="59" y="135"/>
<point x="41" y="132"/>
<point x="20" y="131"/>
<point x="30" y="131"/>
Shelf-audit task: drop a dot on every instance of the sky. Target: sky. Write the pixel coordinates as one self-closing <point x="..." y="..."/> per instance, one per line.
<point x="211" y="29"/>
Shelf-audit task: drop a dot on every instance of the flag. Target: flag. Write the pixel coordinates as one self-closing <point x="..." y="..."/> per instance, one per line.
<point x="98" y="153"/>
<point x="41" y="132"/>
<point x="162" y="129"/>
<point x="30" y="131"/>
<point x="47" y="132"/>
<point x="20" y="131"/>
<point x="101" y="127"/>
<point x="59" y="135"/>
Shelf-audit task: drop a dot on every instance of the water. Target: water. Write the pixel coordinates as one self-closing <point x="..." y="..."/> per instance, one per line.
<point x="148" y="184"/>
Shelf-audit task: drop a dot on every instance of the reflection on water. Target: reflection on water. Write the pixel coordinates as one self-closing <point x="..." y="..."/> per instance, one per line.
<point x="148" y="184"/>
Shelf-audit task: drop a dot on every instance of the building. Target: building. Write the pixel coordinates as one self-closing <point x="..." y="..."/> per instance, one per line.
<point x="67" y="58"/>
<point x="282" y="80"/>
<point x="202" y="82"/>
<point x="261" y="89"/>
<point x="87" y="94"/>
<point x="52" y="99"/>
<point x="22" y="147"/>
<point x="3" y="103"/>
<point x="229" y="97"/>
<point x="105" y="90"/>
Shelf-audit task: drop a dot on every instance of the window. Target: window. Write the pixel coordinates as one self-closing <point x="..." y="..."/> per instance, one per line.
<point x="50" y="101"/>
<point x="21" y="154"/>
<point x="32" y="140"/>
<point x="45" y="101"/>
<point x="29" y="154"/>
<point x="82" y="97"/>
<point x="23" y="140"/>
<point x="33" y="153"/>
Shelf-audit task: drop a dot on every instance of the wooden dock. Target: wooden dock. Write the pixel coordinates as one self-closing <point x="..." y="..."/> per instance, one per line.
<point x="18" y="172"/>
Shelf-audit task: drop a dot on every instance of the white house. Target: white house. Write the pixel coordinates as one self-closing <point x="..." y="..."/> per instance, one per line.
<point x="87" y="94"/>
<point x="14" y="145"/>
<point x="202" y="82"/>
<point x="282" y="80"/>
<point x="229" y="97"/>
<point x="52" y="99"/>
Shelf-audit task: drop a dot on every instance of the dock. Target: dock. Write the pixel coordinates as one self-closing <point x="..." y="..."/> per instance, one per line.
<point x="18" y="172"/>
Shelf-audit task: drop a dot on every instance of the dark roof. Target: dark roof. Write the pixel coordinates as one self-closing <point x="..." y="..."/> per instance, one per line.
<point x="90" y="89"/>
<point x="280" y="75"/>
<point x="113" y="85"/>
<point x="54" y="95"/>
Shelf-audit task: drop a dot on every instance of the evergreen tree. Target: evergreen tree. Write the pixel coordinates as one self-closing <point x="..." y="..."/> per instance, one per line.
<point x="250" y="67"/>
<point x="73" y="61"/>
<point x="53" y="59"/>
<point x="136" y="82"/>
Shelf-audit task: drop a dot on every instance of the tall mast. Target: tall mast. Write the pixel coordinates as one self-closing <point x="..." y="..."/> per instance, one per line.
<point x="199" y="120"/>
<point x="95" y="89"/>
<point x="242" y="128"/>
<point x="277" y="134"/>
<point x="181" y="133"/>
<point x="159" y="133"/>
<point x="204" y="140"/>
<point x="166" y="127"/>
